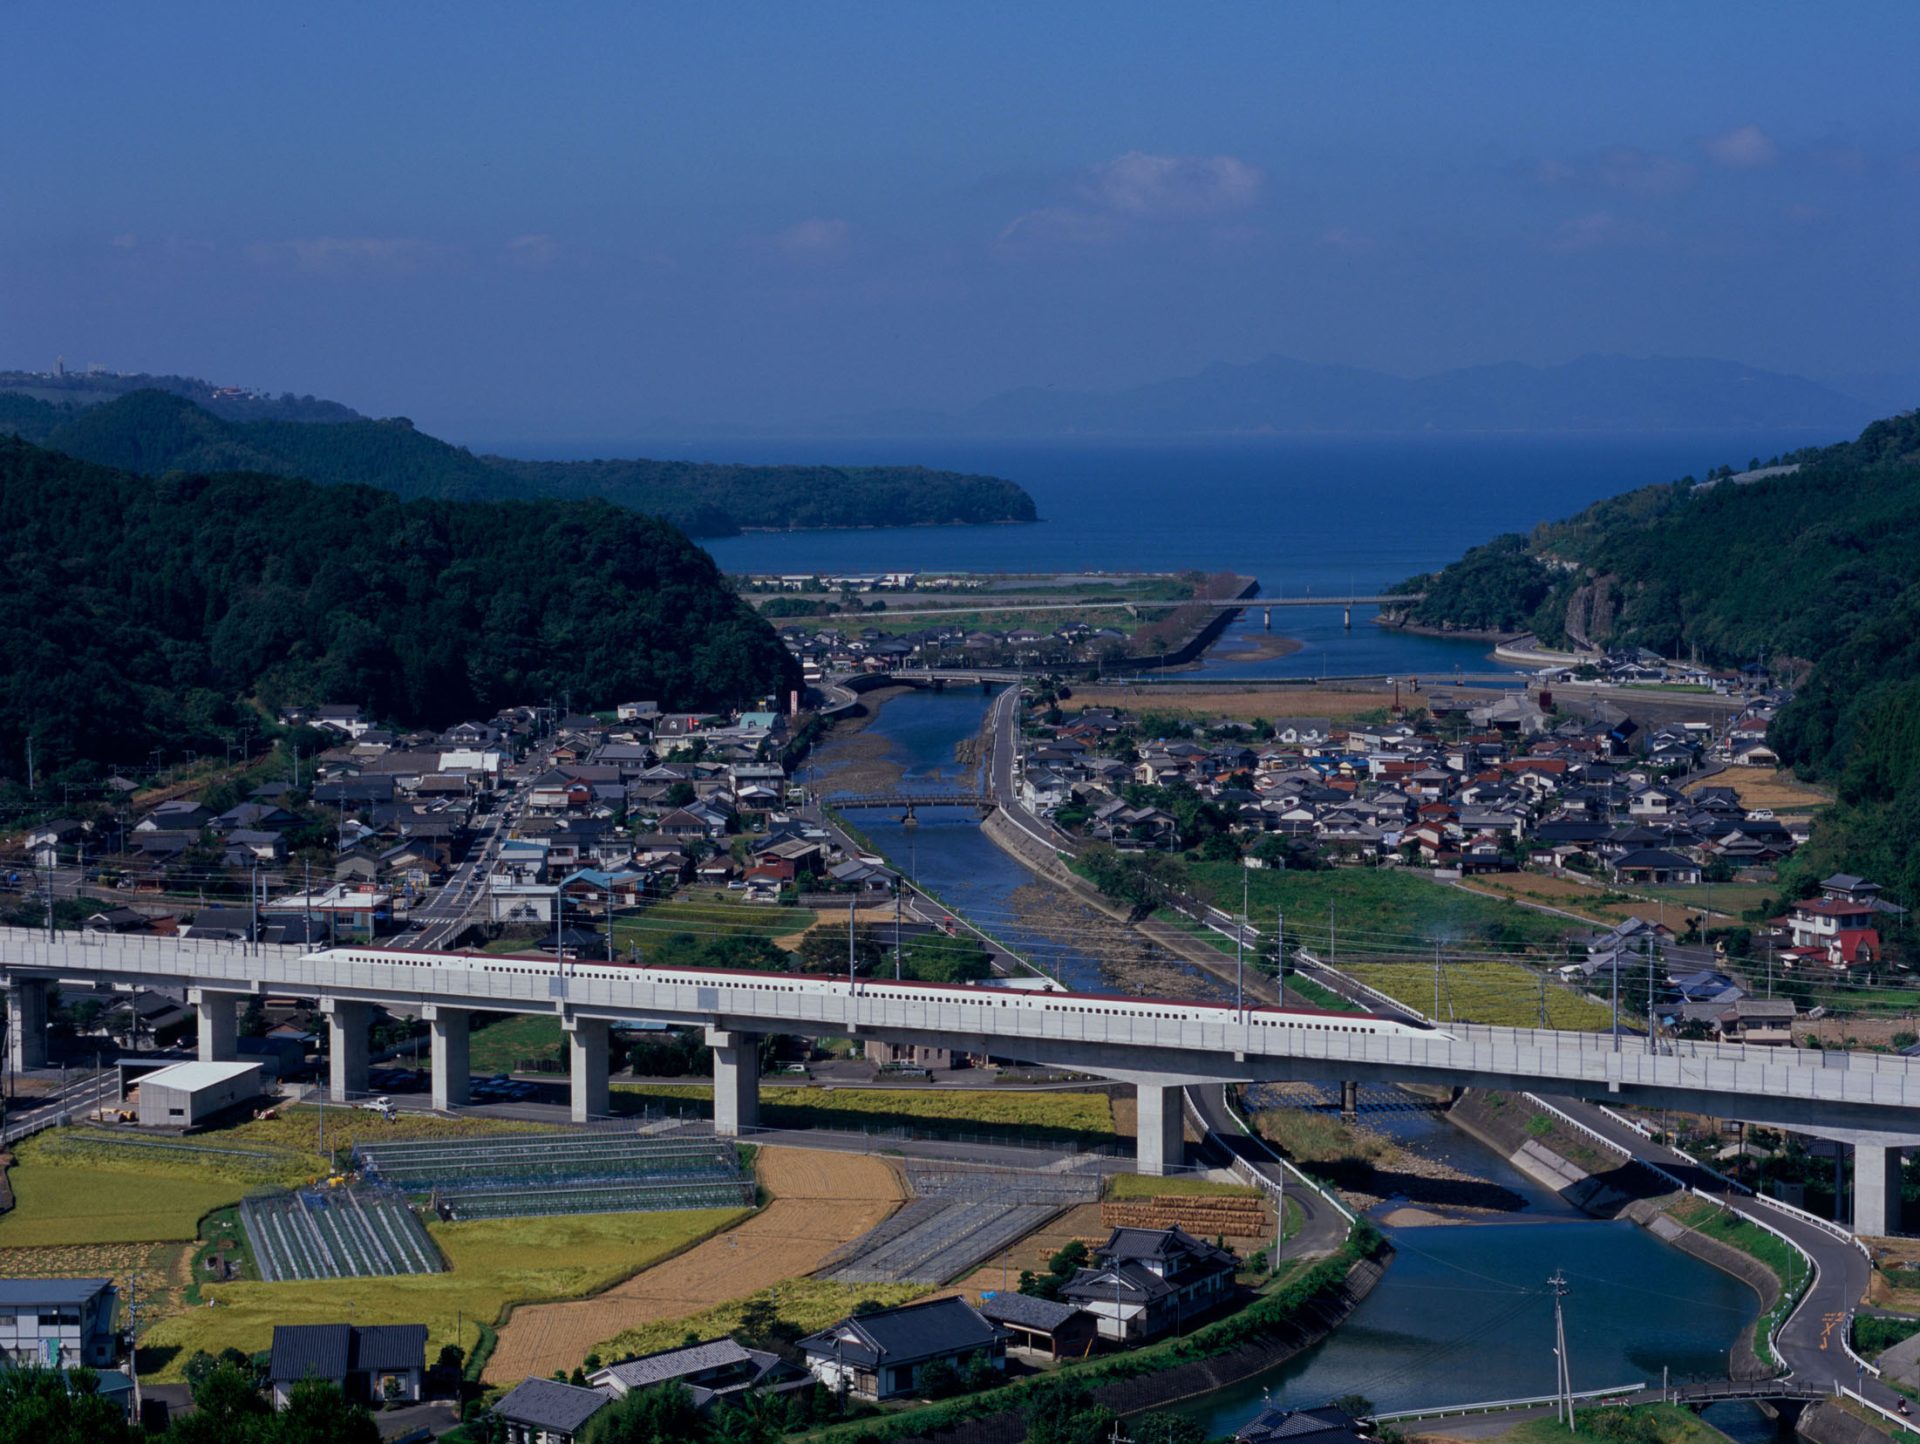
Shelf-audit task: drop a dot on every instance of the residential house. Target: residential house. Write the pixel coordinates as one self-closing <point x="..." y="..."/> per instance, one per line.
<point x="1146" y="1282"/>
<point x="545" y="1411"/>
<point x="1041" y="1327"/>
<point x="713" y="1370"/>
<point x="1655" y="865"/>
<point x="885" y="1354"/>
<point x="67" y="1323"/>
<point x="369" y="1363"/>
<point x="1275" y="1425"/>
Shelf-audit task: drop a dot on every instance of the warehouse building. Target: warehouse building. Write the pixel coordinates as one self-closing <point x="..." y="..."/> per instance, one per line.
<point x="187" y="1094"/>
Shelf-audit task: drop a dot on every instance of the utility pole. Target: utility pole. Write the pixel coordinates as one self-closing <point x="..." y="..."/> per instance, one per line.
<point x="896" y="930"/>
<point x="1240" y="955"/>
<point x="1279" y="954"/>
<point x="1652" y="1036"/>
<point x="1616" y="1000"/>
<point x="306" y="903"/>
<point x="852" y="973"/>
<point x="253" y="904"/>
<point x="133" y="1338"/>
<point x="1436" y="981"/>
<point x="1333" y="952"/>
<point x="1563" y="1381"/>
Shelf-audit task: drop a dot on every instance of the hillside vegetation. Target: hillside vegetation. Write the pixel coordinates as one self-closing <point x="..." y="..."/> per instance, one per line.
<point x="148" y="612"/>
<point x="1816" y="572"/>
<point x="156" y="432"/>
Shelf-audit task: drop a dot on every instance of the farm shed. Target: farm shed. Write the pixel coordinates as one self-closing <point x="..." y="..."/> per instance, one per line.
<point x="187" y="1094"/>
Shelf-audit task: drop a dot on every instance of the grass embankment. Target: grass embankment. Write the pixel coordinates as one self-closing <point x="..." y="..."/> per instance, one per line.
<point x="492" y="1263"/>
<point x="707" y="914"/>
<point x="297" y="1129"/>
<point x="1360" y="912"/>
<point x="508" y="1043"/>
<point x="1640" y="1424"/>
<point x="1508" y="995"/>
<point x="1319" y="996"/>
<point x="1067" y="1117"/>
<point x="1270" y="1313"/>
<point x="1775" y="1253"/>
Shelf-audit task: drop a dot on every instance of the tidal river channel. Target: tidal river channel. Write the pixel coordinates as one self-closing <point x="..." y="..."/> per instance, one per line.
<point x="1463" y="1313"/>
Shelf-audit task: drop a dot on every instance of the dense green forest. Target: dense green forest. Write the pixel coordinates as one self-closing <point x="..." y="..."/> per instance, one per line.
<point x="156" y="432"/>
<point x="147" y="611"/>
<point x="1816" y="573"/>
<point x="70" y="394"/>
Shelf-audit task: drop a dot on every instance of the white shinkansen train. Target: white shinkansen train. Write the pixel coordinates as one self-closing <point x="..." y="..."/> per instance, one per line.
<point x="751" y="991"/>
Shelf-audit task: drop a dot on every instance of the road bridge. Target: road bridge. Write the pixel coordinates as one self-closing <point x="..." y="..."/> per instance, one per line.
<point x="908" y="799"/>
<point x="1160" y="1046"/>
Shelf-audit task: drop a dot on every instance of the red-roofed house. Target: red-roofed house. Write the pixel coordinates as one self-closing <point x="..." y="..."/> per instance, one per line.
<point x="1814" y="922"/>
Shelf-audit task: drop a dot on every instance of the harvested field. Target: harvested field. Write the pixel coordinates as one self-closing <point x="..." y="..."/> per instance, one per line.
<point x="1763" y="787"/>
<point x="1201" y="1217"/>
<point x="820" y="1201"/>
<point x="1338" y="703"/>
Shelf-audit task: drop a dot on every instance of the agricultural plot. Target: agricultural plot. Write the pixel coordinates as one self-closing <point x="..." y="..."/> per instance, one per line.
<point x="1504" y="995"/>
<point x="346" y="1233"/>
<point x="961" y="1218"/>
<point x="560" y="1173"/>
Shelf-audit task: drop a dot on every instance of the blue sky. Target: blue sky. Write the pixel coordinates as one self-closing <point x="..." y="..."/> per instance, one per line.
<point x="600" y="220"/>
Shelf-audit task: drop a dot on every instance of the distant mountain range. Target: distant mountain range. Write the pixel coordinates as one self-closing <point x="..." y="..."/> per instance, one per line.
<point x="156" y="431"/>
<point x="1282" y="395"/>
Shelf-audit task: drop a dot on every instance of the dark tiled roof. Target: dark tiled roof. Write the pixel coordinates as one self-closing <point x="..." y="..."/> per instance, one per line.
<point x="1027" y="1311"/>
<point x="311" y="1351"/>
<point x="1325" y="1426"/>
<point x="50" y="1291"/>
<point x="678" y="1363"/>
<point x="904" y="1334"/>
<point x="332" y="1351"/>
<point x="549" y="1404"/>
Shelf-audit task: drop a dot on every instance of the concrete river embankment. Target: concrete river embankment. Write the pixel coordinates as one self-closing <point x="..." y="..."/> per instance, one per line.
<point x="1463" y="1314"/>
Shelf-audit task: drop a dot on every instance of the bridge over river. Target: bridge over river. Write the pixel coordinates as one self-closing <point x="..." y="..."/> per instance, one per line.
<point x="1160" y="1046"/>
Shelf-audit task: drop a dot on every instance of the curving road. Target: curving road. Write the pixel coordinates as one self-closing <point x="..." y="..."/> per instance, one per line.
<point x="1812" y="1343"/>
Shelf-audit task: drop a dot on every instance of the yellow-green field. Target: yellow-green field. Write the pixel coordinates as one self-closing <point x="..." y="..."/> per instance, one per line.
<point x="58" y="1205"/>
<point x="1505" y="995"/>
<point x="1079" y="1111"/>
<point x="812" y="1304"/>
<point x="493" y="1263"/>
<point x="297" y="1129"/>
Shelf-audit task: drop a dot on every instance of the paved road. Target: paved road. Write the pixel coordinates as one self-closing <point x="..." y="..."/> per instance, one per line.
<point x="1812" y="1342"/>
<point x="1323" y="1229"/>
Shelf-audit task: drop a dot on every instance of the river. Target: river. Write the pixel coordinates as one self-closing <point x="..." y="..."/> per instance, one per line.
<point x="1463" y="1314"/>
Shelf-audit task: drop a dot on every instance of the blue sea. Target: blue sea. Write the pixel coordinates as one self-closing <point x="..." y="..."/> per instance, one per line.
<point x="1306" y="515"/>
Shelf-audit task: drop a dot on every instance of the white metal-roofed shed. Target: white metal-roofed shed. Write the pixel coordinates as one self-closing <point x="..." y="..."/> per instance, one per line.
<point x="186" y="1094"/>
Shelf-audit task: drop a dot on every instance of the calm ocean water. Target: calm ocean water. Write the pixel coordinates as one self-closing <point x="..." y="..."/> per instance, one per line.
<point x="1319" y="515"/>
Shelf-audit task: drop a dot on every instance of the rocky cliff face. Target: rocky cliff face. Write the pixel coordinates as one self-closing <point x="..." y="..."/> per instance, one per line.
<point x="1591" y="612"/>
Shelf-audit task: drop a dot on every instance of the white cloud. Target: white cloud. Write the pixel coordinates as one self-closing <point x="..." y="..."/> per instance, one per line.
<point x="1745" y="147"/>
<point x="1603" y="231"/>
<point x="351" y="255"/>
<point x="1136" y="189"/>
<point x="1623" y="168"/>
<point x="532" y="250"/>
<point x="1139" y="184"/>
<point x="1055" y="227"/>
<point x="819" y="238"/>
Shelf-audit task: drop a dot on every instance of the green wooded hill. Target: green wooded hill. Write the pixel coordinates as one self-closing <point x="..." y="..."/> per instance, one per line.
<point x="1816" y="572"/>
<point x="156" y="432"/>
<point x="146" y="612"/>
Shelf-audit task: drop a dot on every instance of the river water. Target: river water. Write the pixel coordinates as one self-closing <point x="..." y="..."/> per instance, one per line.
<point x="1463" y="1314"/>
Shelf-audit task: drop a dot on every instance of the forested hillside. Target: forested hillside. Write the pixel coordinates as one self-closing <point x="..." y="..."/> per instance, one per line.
<point x="1816" y="572"/>
<point x="155" y="432"/>
<point x="146" y="612"/>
